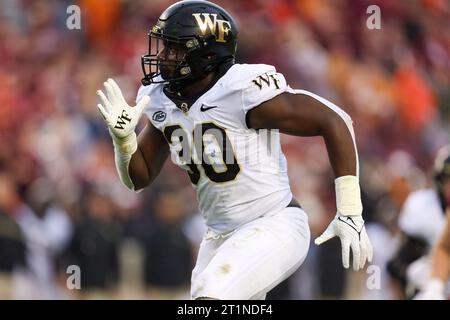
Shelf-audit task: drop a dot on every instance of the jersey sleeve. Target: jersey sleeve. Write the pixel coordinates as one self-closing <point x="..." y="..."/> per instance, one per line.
<point x="262" y="87"/>
<point x="249" y="86"/>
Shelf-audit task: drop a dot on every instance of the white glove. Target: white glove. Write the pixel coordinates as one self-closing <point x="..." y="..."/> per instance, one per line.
<point x="120" y="118"/>
<point x="351" y="231"/>
<point x="433" y="290"/>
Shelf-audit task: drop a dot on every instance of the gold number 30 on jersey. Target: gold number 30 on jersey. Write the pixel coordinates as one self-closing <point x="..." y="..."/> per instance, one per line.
<point x="212" y="150"/>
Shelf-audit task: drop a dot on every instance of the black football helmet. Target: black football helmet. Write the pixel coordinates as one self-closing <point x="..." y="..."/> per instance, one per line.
<point x="441" y="171"/>
<point x="199" y="34"/>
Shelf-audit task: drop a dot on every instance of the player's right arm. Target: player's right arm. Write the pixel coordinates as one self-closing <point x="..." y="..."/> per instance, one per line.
<point x="147" y="161"/>
<point x="137" y="162"/>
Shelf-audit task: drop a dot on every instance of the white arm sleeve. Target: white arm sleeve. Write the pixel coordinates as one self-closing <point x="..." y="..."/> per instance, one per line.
<point x="123" y="150"/>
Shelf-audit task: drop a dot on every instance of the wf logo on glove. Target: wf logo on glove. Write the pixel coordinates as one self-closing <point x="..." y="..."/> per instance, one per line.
<point x="121" y="120"/>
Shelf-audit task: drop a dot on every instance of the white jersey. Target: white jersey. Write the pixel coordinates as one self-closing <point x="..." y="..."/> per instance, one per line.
<point x="422" y="215"/>
<point x="242" y="172"/>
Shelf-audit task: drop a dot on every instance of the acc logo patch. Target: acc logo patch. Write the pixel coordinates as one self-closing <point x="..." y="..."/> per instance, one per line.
<point x="159" y="116"/>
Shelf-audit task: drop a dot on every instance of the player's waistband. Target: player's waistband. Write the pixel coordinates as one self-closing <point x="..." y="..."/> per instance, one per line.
<point x="211" y="234"/>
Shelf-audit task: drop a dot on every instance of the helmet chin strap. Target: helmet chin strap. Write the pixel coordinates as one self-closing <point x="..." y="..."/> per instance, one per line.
<point x="177" y="85"/>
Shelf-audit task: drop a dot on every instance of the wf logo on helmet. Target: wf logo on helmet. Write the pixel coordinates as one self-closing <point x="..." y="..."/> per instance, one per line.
<point x="209" y="21"/>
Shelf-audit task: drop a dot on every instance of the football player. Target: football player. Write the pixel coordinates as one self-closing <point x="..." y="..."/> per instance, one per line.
<point x="434" y="288"/>
<point x="208" y="112"/>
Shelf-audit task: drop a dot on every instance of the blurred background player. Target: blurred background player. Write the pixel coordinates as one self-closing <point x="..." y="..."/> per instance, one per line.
<point x="422" y="221"/>
<point x="436" y="285"/>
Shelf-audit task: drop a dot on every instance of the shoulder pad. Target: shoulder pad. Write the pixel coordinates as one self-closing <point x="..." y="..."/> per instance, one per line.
<point x="146" y="90"/>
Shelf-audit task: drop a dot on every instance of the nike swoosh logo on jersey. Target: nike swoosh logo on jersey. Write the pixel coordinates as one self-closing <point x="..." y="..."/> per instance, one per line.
<point x="204" y="108"/>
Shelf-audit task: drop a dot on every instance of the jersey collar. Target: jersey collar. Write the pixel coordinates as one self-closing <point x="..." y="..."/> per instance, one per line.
<point x="183" y="103"/>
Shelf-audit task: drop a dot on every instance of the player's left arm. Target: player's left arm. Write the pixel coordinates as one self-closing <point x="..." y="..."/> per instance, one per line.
<point x="304" y="114"/>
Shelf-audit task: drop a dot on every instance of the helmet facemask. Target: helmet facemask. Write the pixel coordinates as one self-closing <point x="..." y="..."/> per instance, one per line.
<point x="179" y="60"/>
<point x="166" y="58"/>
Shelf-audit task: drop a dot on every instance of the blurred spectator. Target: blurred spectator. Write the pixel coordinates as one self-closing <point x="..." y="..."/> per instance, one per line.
<point x="94" y="246"/>
<point x="169" y="254"/>
<point x="12" y="242"/>
<point x="46" y="229"/>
